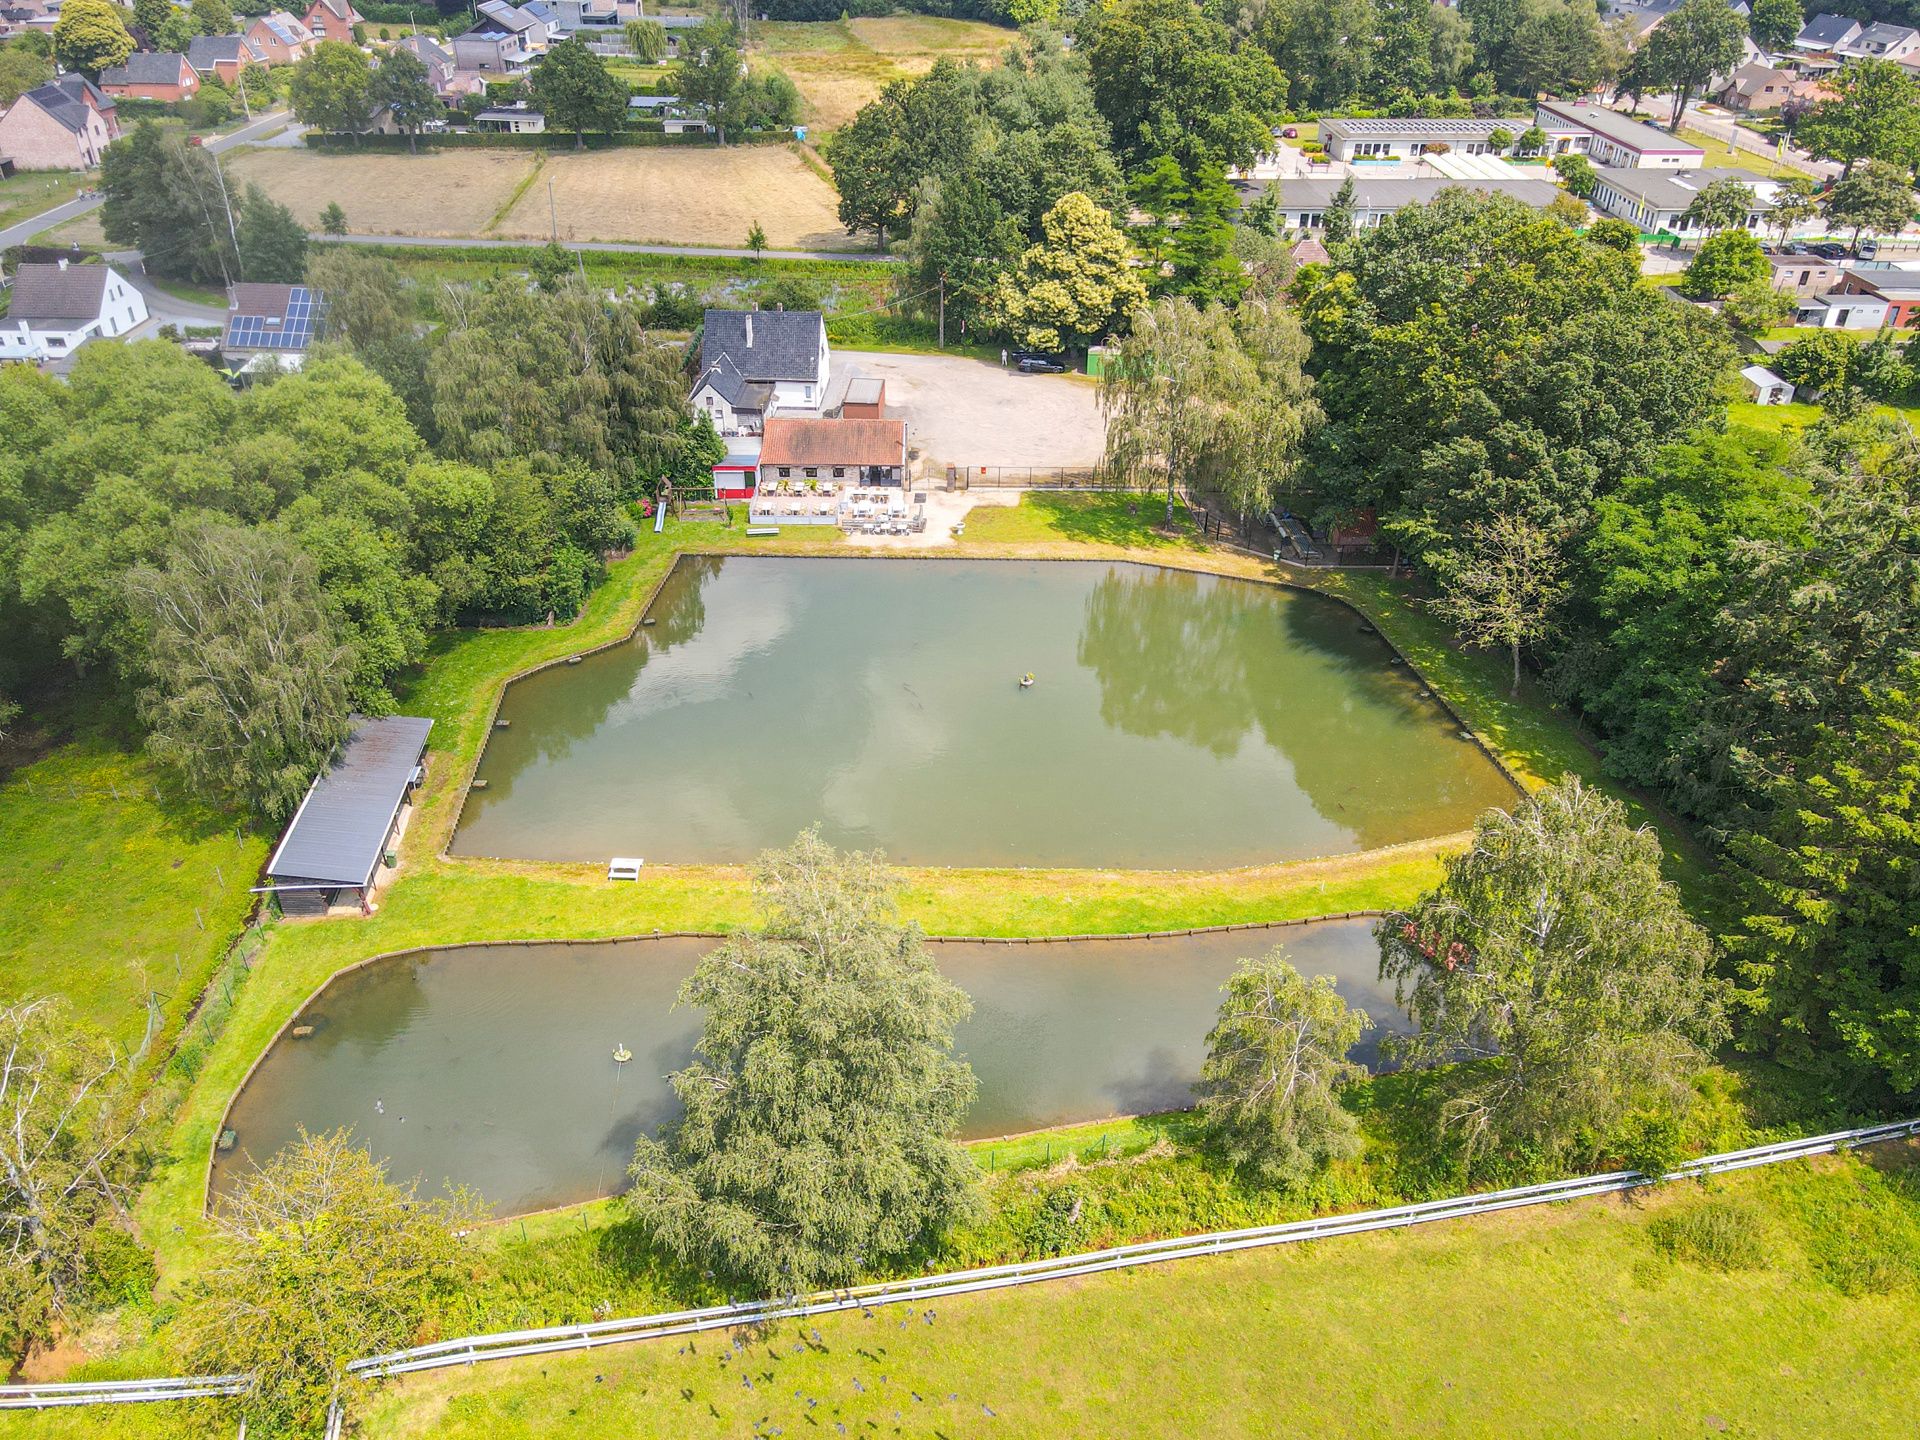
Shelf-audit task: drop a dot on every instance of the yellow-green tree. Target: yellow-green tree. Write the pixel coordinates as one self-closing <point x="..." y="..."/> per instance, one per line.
<point x="90" y="36"/>
<point x="1076" y="285"/>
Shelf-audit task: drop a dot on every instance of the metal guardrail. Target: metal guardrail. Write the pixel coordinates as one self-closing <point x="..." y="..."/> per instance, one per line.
<point x="549" y="1340"/>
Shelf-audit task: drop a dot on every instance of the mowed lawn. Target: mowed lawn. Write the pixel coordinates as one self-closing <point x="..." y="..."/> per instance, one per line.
<point x="99" y="882"/>
<point x="682" y="196"/>
<point x="1561" y="1322"/>
<point x="439" y="193"/>
<point x="841" y="65"/>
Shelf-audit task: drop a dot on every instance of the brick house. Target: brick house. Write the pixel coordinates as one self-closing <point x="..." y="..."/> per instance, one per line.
<point x="332" y="19"/>
<point x="151" y="75"/>
<point x="280" y="39"/>
<point x="63" y="125"/>
<point x="221" y="58"/>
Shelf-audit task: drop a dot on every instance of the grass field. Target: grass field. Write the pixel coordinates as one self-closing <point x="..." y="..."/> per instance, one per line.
<point x="682" y="197"/>
<point x="442" y="193"/>
<point x="1601" y="1319"/>
<point x="840" y="65"/>
<point x="102" y="867"/>
<point x="30" y="191"/>
<point x="1722" y="155"/>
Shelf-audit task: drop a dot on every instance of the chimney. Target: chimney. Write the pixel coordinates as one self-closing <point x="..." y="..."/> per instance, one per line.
<point x="749" y="323"/>
<point x="62" y="262"/>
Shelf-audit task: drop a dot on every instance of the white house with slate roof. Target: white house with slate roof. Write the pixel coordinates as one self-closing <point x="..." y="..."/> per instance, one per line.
<point x="755" y="364"/>
<point x="57" y="308"/>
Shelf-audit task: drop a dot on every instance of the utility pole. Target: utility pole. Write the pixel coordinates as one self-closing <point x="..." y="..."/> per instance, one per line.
<point x="226" y="204"/>
<point x="943" y="309"/>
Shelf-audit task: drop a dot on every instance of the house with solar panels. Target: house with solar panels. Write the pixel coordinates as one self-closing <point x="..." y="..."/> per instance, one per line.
<point x="270" y="326"/>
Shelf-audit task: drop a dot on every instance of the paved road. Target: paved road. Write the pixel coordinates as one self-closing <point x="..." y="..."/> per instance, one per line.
<point x="25" y="230"/>
<point x="615" y="247"/>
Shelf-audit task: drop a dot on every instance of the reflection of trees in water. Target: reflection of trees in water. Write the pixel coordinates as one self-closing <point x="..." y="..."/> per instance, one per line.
<point x="1210" y="662"/>
<point x="568" y="703"/>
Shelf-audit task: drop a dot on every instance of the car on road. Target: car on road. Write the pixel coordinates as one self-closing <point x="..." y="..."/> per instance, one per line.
<point x="1038" y="362"/>
<point x="1829" y="250"/>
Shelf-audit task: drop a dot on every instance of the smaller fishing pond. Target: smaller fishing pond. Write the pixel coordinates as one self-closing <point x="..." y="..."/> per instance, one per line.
<point x="493" y="1066"/>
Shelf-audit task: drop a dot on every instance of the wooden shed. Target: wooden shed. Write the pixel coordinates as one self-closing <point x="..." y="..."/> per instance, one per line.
<point x="334" y="846"/>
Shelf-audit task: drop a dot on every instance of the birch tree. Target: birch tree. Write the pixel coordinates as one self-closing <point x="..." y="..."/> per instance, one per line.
<point x="1276" y="1063"/>
<point x="1555" y="957"/>
<point x="1505" y="588"/>
<point x="248" y="677"/>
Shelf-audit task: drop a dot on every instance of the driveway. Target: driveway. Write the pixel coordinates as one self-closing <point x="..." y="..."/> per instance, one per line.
<point x="971" y="413"/>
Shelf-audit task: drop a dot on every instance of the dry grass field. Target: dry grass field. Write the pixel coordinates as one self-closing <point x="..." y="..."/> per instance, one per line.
<point x="841" y="65"/>
<point x="442" y="193"/>
<point x="682" y="197"/>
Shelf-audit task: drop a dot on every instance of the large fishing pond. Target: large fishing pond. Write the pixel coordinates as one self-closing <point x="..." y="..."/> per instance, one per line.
<point x="493" y="1066"/>
<point x="1176" y="720"/>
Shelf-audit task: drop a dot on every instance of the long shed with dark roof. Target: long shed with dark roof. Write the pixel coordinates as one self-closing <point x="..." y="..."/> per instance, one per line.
<point x="333" y="847"/>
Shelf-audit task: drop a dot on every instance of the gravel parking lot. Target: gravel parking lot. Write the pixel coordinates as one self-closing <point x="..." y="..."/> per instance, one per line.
<point x="970" y="413"/>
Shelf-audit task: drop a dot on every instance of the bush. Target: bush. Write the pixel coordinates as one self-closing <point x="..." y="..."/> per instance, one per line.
<point x="114" y="1269"/>
<point x="1719" y="1234"/>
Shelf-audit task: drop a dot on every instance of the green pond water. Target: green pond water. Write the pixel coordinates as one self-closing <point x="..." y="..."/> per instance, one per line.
<point x="493" y="1066"/>
<point x="1177" y="721"/>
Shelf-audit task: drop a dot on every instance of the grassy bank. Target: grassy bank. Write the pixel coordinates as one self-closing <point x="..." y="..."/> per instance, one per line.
<point x="103" y="866"/>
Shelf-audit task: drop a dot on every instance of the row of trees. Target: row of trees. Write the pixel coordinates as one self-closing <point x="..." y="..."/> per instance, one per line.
<point x="250" y="566"/>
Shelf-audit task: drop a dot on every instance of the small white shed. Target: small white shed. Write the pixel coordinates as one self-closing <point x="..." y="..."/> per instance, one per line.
<point x="1763" y="387"/>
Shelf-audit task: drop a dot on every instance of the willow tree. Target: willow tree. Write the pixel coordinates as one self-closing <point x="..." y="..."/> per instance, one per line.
<point x="815" y="1142"/>
<point x="1555" y="956"/>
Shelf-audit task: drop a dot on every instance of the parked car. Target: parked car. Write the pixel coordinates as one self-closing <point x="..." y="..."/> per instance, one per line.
<point x="1292" y="132"/>
<point x="1829" y="250"/>
<point x="1869" y="249"/>
<point x="1038" y="362"/>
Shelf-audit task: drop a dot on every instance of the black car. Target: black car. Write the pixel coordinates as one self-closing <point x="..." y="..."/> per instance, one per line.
<point x="1828" y="250"/>
<point x="1036" y="362"/>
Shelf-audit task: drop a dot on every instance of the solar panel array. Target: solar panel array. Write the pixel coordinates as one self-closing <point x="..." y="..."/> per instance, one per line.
<point x="273" y="332"/>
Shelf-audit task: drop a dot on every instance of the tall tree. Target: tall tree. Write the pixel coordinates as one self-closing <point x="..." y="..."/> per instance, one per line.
<point x="401" y="85"/>
<point x="1276" y="1063"/>
<point x="1828" y="956"/>
<point x="168" y="198"/>
<point x="1504" y="589"/>
<point x="91" y="36"/>
<point x="1555" y="955"/>
<point x="247" y="695"/>
<point x="1336" y="224"/>
<point x="917" y="130"/>
<point x="326" y="1261"/>
<point x="647" y="39"/>
<point x="1774" y="23"/>
<point x="962" y="242"/>
<point x="20" y="71"/>
<point x="1686" y="50"/>
<point x="576" y="91"/>
<point x="1170" y="80"/>
<point x="1874" y="196"/>
<point x="1872" y="112"/>
<point x="1722" y="205"/>
<point x="1724" y="264"/>
<point x="68" y="1121"/>
<point x="1075" y="286"/>
<point x="332" y="89"/>
<point x="709" y="76"/>
<point x="212" y="17"/>
<point x="815" y="1142"/>
<point x="1793" y="204"/>
<point x="273" y="245"/>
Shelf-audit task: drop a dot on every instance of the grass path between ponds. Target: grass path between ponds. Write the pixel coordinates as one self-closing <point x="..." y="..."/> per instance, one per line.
<point x="439" y="899"/>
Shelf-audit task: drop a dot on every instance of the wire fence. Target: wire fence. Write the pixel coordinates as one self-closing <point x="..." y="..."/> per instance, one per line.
<point x="507" y="1345"/>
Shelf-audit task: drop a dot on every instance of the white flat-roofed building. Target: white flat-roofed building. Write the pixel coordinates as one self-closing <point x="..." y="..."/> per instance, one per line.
<point x="1416" y="137"/>
<point x="1657" y="200"/>
<point x="1609" y="138"/>
<point x="1303" y="203"/>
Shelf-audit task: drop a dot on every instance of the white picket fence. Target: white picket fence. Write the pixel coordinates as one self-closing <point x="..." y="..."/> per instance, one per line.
<point x="553" y="1339"/>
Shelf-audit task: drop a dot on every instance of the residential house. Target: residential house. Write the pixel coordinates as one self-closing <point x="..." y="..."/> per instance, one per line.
<point x="1763" y="387"/>
<point x="56" y="308"/>
<point x="332" y="19"/>
<point x="1609" y="138"/>
<point x="1803" y="275"/>
<point x="270" y="326"/>
<point x="435" y="57"/>
<point x="62" y="125"/>
<point x="1658" y="200"/>
<point x="850" y="452"/>
<point x="498" y="17"/>
<point x="151" y="75"/>
<point x="490" y="53"/>
<point x="1756" y="88"/>
<point x="221" y="58"/>
<point x="1303" y="203"/>
<point x="1881" y="42"/>
<point x="1824" y="34"/>
<point x="511" y="120"/>
<point x="754" y="363"/>
<point x="350" y="819"/>
<point x="1841" y="311"/>
<point x="1900" y="289"/>
<point x="279" y="39"/>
